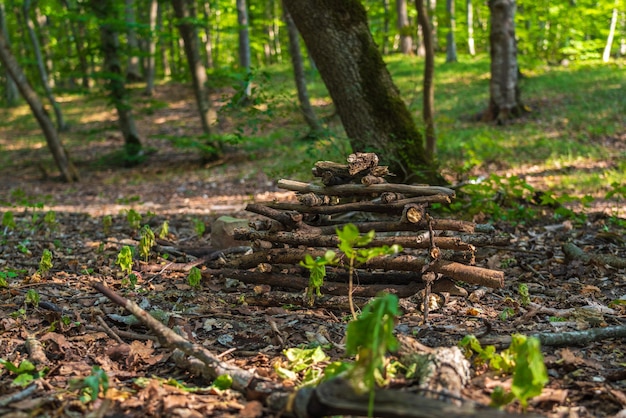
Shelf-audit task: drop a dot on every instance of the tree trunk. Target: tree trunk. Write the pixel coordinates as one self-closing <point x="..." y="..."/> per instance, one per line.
<point x="431" y="8"/>
<point x="385" y="43"/>
<point x="406" y="39"/>
<point x="165" y="62"/>
<point x="300" y="79"/>
<point x="207" y="41"/>
<point x="373" y="114"/>
<point x="41" y="68"/>
<point x="609" y="41"/>
<point x="109" y="40"/>
<point x="504" y="101"/>
<point x="428" y="108"/>
<point x="470" y="28"/>
<point x="450" y="41"/>
<point x="133" y="71"/>
<point x="186" y="13"/>
<point x="151" y="59"/>
<point x="10" y="89"/>
<point x="61" y="158"/>
<point x="78" y="43"/>
<point x="244" y="48"/>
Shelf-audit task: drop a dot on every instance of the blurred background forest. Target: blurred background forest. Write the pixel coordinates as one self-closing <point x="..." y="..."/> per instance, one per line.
<point x="233" y="92"/>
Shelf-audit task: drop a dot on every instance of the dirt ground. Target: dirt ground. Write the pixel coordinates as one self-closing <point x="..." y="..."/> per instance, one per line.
<point x="77" y="326"/>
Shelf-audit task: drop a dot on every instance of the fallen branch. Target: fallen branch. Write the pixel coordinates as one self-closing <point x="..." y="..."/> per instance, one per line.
<point x="568" y="338"/>
<point x="360" y="189"/>
<point x="572" y="252"/>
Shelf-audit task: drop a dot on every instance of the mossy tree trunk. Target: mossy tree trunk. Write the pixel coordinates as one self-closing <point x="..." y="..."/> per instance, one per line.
<point x="372" y="112"/>
<point x="505" y="99"/>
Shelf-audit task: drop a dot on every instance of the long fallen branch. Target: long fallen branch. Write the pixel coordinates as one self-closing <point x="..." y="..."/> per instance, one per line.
<point x="568" y="338"/>
<point x="360" y="189"/>
<point x="573" y="252"/>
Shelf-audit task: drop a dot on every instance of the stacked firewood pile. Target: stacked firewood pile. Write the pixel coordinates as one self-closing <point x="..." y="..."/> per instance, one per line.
<point x="436" y="252"/>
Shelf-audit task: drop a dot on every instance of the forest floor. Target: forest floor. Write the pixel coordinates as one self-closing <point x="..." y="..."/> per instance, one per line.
<point x="77" y="327"/>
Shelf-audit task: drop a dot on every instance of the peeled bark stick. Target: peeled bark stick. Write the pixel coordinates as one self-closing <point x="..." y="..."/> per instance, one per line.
<point x="457" y="271"/>
<point x="359" y="189"/>
<point x="290" y="220"/>
<point x="363" y="206"/>
<point x="393" y="226"/>
<point x="243" y="381"/>
<point x="302" y="238"/>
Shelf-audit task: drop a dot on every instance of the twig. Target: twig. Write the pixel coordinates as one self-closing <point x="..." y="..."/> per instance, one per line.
<point x="18" y="396"/>
<point x="572" y="252"/>
<point x="108" y="330"/>
<point x="569" y="338"/>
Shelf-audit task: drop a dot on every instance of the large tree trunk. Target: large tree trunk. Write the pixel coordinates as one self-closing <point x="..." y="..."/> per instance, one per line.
<point x="470" y="28"/>
<point x="504" y="101"/>
<point x="77" y="35"/>
<point x="151" y="59"/>
<point x="206" y="37"/>
<point x="41" y="68"/>
<point x="428" y="108"/>
<point x="406" y="39"/>
<point x="244" y="48"/>
<point x="373" y="114"/>
<point x="300" y="79"/>
<point x="61" y="158"/>
<point x="133" y="71"/>
<point x="109" y="40"/>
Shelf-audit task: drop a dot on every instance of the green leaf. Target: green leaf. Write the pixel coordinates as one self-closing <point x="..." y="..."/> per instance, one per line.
<point x="125" y="259"/>
<point x="194" y="277"/>
<point x="223" y="382"/>
<point x="530" y="374"/>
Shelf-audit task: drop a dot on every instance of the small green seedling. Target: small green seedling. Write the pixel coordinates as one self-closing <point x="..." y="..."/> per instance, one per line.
<point x="32" y="297"/>
<point x="199" y="227"/>
<point x="194" y="277"/>
<point x="45" y="264"/>
<point x="90" y="387"/>
<point x="165" y="230"/>
<point x="147" y="242"/>
<point x="25" y="373"/>
<point x="125" y="259"/>
<point x="8" y="220"/>
<point x="524" y="294"/>
<point x="134" y="219"/>
<point x="4" y="275"/>
<point x="50" y="219"/>
<point x="306" y="360"/>
<point x="107" y="223"/>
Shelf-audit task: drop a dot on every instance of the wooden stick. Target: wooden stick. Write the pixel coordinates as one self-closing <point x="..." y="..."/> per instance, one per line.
<point x="360" y="189"/>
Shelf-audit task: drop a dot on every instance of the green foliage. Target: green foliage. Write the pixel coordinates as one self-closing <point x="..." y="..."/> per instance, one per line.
<point x="107" y="223"/>
<point x="134" y="219"/>
<point x="303" y="361"/>
<point x="194" y="277"/>
<point x="45" y="264"/>
<point x="25" y="373"/>
<point x="125" y="259"/>
<point x="8" y="220"/>
<point x="146" y="242"/>
<point x="164" y="230"/>
<point x="524" y="294"/>
<point x="199" y="227"/>
<point x="32" y="297"/>
<point x="369" y="338"/>
<point x="50" y="219"/>
<point x="317" y="268"/>
<point x="523" y="359"/>
<point x="4" y="275"/>
<point x="91" y="386"/>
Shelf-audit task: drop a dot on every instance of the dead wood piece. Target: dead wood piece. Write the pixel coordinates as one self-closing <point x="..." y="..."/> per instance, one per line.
<point x="280" y="298"/>
<point x="572" y="252"/>
<point x="568" y="338"/>
<point x="312" y="199"/>
<point x="360" y="161"/>
<point x="19" y="395"/>
<point x="388" y="226"/>
<point x="389" y="197"/>
<point x="371" y="179"/>
<point x="413" y="213"/>
<point x="35" y="350"/>
<point x="244" y="381"/>
<point x="290" y="220"/>
<point x="337" y="397"/>
<point x="457" y="271"/>
<point x="290" y="281"/>
<point x="301" y="238"/>
<point x="359" y="189"/>
<point x="391" y="207"/>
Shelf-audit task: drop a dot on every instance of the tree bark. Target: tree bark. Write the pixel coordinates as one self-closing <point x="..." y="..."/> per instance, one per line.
<point x="115" y="79"/>
<point x="10" y="89"/>
<point x="207" y="39"/>
<point x="373" y="114"/>
<point x="300" y="79"/>
<point x="450" y="41"/>
<point x="61" y="158"/>
<point x="151" y="59"/>
<point x="244" y="48"/>
<point x="133" y="71"/>
<point x="41" y="68"/>
<point x="406" y="40"/>
<point x="470" y="28"/>
<point x="76" y="32"/>
<point x="505" y="101"/>
<point x="185" y="13"/>
<point x="428" y="108"/>
<point x="606" y="55"/>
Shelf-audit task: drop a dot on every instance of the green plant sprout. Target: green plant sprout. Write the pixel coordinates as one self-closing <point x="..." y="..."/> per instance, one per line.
<point x="25" y="373"/>
<point x="199" y="227"/>
<point x="8" y="220"/>
<point x="306" y="360"/>
<point x="4" y="275"/>
<point x="107" y="223"/>
<point x="134" y="219"/>
<point x="164" y="230"/>
<point x="45" y="264"/>
<point x="317" y="272"/>
<point x="194" y="277"/>
<point x="32" y="297"/>
<point x="125" y="259"/>
<point x="524" y="294"/>
<point x="523" y="359"/>
<point x="146" y="242"/>
<point x="90" y="387"/>
<point x="50" y="219"/>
